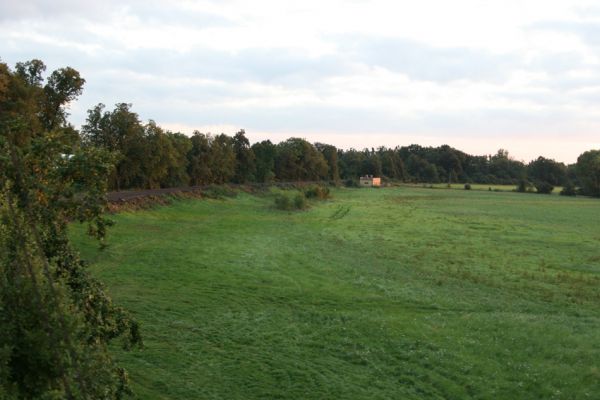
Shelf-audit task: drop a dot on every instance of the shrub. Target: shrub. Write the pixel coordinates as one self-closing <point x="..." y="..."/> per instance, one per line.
<point x="300" y="201"/>
<point x="351" y="183"/>
<point x="467" y="186"/>
<point x="317" y="192"/>
<point x="544" y="187"/>
<point x="569" y="190"/>
<point x="282" y="202"/>
<point x="524" y="186"/>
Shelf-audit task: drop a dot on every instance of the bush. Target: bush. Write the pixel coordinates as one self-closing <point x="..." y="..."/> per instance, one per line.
<point x="351" y="183"/>
<point x="317" y="192"/>
<point x="467" y="186"/>
<point x="524" y="186"/>
<point x="569" y="190"/>
<point x="282" y="202"/>
<point x="544" y="187"/>
<point x="300" y="201"/>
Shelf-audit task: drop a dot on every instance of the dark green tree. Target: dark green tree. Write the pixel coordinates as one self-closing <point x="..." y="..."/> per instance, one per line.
<point x="199" y="161"/>
<point x="392" y="165"/>
<point x="298" y="160"/>
<point x="177" y="171"/>
<point x="222" y="159"/>
<point x="588" y="172"/>
<point x="56" y="319"/>
<point x="245" y="160"/>
<point x="544" y="170"/>
<point x="121" y="132"/>
<point x="330" y="153"/>
<point x="265" y="153"/>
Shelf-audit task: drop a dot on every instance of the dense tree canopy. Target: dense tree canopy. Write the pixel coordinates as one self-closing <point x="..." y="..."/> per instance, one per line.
<point x="56" y="319"/>
<point x="546" y="173"/>
<point x="588" y="171"/>
<point x="150" y="157"/>
<point x="297" y="159"/>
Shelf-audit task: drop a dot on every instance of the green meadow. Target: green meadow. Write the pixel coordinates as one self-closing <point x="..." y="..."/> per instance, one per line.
<point x="395" y="293"/>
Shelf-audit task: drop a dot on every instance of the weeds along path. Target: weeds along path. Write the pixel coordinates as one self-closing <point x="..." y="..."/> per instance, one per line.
<point x="405" y="293"/>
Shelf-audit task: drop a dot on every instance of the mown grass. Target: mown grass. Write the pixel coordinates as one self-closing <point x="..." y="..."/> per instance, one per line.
<point x="475" y="186"/>
<point x="396" y="293"/>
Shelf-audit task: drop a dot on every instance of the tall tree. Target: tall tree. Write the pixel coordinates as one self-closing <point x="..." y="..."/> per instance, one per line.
<point x="265" y="153"/>
<point x="57" y="320"/>
<point x="177" y="171"/>
<point x="544" y="170"/>
<point x="159" y="156"/>
<point x="588" y="171"/>
<point x="222" y="159"/>
<point x="298" y="160"/>
<point x="199" y="160"/>
<point x="245" y="160"/>
<point x="122" y="132"/>
<point x="330" y="153"/>
<point x="392" y="165"/>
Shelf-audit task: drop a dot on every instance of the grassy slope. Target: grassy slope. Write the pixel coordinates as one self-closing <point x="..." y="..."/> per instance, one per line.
<point x="376" y="294"/>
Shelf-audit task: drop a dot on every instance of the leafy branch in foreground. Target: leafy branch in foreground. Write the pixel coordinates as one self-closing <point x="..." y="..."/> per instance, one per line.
<point x="56" y="319"/>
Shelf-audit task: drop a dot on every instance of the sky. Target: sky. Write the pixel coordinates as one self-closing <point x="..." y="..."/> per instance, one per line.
<point x="478" y="75"/>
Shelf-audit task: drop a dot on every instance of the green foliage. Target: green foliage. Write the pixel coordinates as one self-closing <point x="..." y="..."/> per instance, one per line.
<point x="199" y="164"/>
<point x="422" y="170"/>
<point x="150" y="157"/>
<point x="330" y="153"/>
<point x="265" y="153"/>
<point x="286" y="202"/>
<point x="524" y="186"/>
<point x="588" y="172"/>
<point x="57" y="319"/>
<point x="211" y="159"/>
<point x="245" y="165"/>
<point x="546" y="170"/>
<point x="283" y="202"/>
<point x="568" y="190"/>
<point x="298" y="160"/>
<point x="300" y="202"/>
<point x="121" y="132"/>
<point x="222" y="159"/>
<point x="317" y="192"/>
<point x="467" y="186"/>
<point x="544" y="187"/>
<point x="352" y="183"/>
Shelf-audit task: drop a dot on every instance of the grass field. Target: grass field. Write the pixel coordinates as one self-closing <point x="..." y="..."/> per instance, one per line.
<point x="476" y="186"/>
<point x="398" y="293"/>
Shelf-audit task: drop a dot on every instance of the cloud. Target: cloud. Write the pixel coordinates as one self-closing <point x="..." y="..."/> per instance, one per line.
<point x="488" y="72"/>
<point x="588" y="31"/>
<point x="424" y="62"/>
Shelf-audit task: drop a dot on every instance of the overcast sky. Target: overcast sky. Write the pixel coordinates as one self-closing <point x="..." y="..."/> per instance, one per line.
<point x="476" y="74"/>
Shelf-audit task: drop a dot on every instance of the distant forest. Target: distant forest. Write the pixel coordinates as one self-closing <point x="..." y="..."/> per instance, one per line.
<point x="148" y="156"/>
<point x="151" y="157"/>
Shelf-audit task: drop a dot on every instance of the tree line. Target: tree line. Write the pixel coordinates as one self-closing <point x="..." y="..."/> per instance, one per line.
<point x="151" y="157"/>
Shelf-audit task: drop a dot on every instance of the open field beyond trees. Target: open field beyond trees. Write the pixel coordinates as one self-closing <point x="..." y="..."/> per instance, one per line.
<point x="395" y="293"/>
